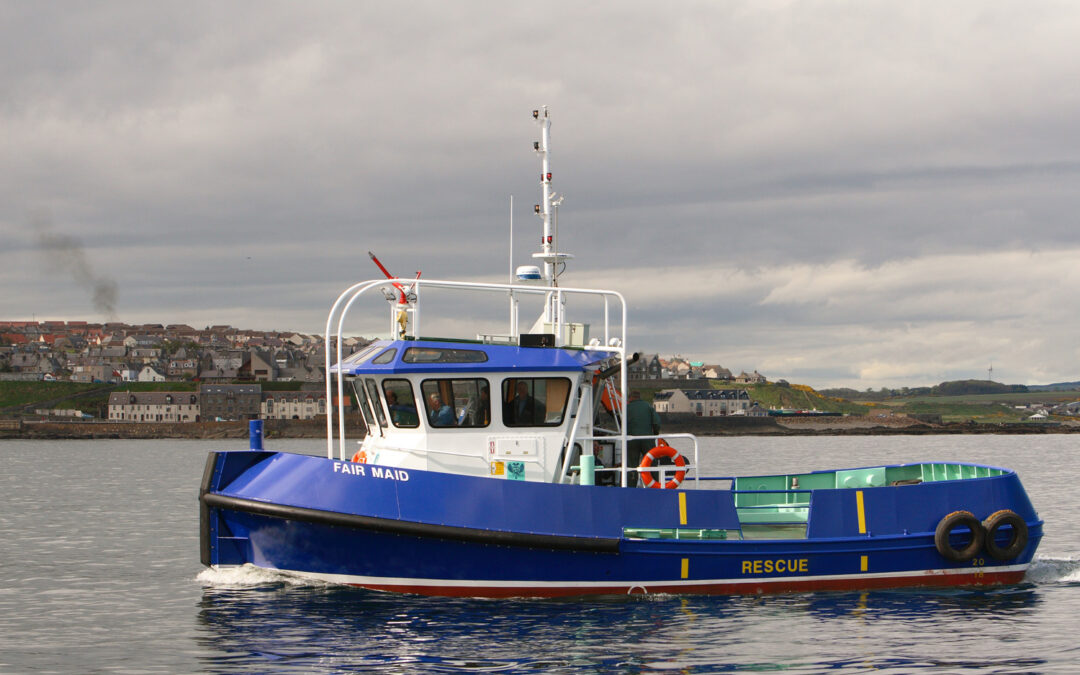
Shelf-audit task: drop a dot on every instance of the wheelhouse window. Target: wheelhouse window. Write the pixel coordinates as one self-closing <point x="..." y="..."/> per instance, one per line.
<point x="359" y="356"/>
<point x="534" y="401"/>
<point x="440" y="355"/>
<point x="457" y="402"/>
<point x="364" y="404"/>
<point x="385" y="357"/>
<point x="367" y="395"/>
<point x="373" y="394"/>
<point x="401" y="403"/>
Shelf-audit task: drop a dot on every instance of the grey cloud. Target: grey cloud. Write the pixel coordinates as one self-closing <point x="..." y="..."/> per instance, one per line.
<point x="178" y="140"/>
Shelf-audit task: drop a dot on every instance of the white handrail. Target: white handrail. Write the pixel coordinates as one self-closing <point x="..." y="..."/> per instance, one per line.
<point x="625" y="469"/>
<point x="341" y="307"/>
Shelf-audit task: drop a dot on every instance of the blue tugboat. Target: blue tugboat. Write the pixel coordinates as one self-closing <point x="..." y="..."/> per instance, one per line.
<point x="496" y="466"/>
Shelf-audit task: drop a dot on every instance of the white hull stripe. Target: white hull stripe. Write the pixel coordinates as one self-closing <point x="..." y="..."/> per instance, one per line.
<point x="758" y="581"/>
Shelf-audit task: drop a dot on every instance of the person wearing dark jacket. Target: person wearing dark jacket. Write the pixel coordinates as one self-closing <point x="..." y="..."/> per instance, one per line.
<point x="522" y="408"/>
<point x="641" y="420"/>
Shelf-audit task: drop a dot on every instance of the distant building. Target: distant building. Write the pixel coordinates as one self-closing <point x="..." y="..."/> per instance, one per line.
<point x="258" y="365"/>
<point x="717" y="373"/>
<point x="292" y="405"/>
<point x="153" y="406"/>
<point x="183" y="367"/>
<point x="92" y="373"/>
<point x="702" y="402"/>
<point x="230" y="401"/>
<point x="647" y="367"/>
<point x="754" y="378"/>
<point x="149" y="374"/>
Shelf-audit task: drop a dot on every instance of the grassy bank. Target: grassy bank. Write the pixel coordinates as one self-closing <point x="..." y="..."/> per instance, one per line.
<point x="990" y="412"/>
<point x="16" y="394"/>
<point x="800" y="397"/>
<point x="92" y="398"/>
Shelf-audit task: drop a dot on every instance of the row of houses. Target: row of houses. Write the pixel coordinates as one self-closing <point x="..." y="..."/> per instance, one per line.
<point x="120" y="364"/>
<point x="216" y="402"/>
<point x="79" y="334"/>
<point x="115" y="352"/>
<point x="653" y="367"/>
<point x="706" y="402"/>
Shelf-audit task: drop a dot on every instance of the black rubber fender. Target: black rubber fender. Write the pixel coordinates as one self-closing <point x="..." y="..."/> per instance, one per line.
<point x="951" y="522"/>
<point x="1017" y="541"/>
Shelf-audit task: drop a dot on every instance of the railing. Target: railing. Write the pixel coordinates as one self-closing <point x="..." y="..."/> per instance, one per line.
<point x="625" y="470"/>
<point x="610" y="343"/>
<point x="432" y="451"/>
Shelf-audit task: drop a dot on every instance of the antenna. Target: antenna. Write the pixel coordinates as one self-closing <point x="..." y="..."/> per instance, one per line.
<point x="547" y="210"/>
<point x="990" y="372"/>
<point x="511" y="239"/>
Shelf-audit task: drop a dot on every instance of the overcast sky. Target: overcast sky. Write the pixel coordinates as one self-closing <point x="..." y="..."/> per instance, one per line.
<point x="857" y="194"/>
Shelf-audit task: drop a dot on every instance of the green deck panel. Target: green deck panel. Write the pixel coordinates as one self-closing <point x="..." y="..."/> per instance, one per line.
<point x="898" y="473"/>
<point x="945" y="471"/>
<point x="774" y="514"/>
<point x="861" y="478"/>
<point x="765" y="531"/>
<point x="679" y="533"/>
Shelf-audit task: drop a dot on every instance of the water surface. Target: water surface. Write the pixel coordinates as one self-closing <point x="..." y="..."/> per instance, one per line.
<point x="99" y="572"/>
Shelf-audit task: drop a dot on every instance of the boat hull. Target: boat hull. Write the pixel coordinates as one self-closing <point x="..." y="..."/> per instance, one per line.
<point x="438" y="534"/>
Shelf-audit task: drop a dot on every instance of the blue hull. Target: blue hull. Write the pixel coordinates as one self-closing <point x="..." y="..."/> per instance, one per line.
<point x="442" y="534"/>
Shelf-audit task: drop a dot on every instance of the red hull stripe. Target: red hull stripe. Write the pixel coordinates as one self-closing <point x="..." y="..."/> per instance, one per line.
<point x="550" y="589"/>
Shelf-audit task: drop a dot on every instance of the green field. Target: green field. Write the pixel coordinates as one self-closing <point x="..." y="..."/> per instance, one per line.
<point x="13" y="394"/>
<point x="957" y="411"/>
<point x="990" y="399"/>
<point x="794" y="397"/>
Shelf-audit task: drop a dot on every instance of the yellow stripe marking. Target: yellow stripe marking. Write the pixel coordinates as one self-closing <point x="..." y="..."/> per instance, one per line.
<point x="682" y="508"/>
<point x="862" y="511"/>
<point x="864" y="563"/>
<point x="686" y="568"/>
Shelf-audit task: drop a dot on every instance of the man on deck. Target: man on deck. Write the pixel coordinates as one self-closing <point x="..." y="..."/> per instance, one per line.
<point x="641" y="420"/>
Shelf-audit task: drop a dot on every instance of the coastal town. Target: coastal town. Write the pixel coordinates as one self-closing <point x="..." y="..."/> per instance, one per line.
<point x="174" y="374"/>
<point x="224" y="373"/>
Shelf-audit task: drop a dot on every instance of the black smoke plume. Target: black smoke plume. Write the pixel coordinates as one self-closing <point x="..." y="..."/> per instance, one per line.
<point x="67" y="253"/>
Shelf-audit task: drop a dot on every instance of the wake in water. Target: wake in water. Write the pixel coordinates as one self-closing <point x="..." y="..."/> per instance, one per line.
<point x="1042" y="571"/>
<point x="248" y="576"/>
<point x="1053" y="570"/>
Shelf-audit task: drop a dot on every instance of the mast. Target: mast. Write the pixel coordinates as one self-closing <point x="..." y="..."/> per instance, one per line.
<point x="547" y="210"/>
<point x="544" y="150"/>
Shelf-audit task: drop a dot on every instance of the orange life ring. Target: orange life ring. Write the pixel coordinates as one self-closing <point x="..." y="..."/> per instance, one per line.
<point x="662" y="449"/>
<point x="360" y="457"/>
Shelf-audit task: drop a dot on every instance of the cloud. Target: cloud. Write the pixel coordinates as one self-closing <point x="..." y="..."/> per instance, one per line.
<point x="810" y="189"/>
<point x="919" y="320"/>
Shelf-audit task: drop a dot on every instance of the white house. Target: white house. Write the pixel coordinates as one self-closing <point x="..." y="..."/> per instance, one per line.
<point x="148" y="374"/>
<point x="292" y="405"/>
<point x="702" y="402"/>
<point x="154" y="406"/>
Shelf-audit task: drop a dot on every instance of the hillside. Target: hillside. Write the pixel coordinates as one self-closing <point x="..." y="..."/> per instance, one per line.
<point x="800" y="397"/>
<point x="949" y="388"/>
<point x="46" y="394"/>
<point x="1057" y="386"/>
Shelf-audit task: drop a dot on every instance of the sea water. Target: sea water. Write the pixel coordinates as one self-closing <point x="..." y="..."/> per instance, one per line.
<point x="100" y="572"/>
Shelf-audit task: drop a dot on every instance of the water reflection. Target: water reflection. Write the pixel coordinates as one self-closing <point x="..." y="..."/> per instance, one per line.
<point x="325" y="628"/>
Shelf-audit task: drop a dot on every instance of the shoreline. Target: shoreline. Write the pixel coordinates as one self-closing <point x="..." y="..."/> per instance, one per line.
<point x="713" y="426"/>
<point x="53" y="430"/>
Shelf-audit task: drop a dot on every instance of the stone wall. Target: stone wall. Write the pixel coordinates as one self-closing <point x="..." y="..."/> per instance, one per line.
<point x="271" y="429"/>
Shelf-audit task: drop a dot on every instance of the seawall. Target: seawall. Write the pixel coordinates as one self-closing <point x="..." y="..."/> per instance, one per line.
<point x="197" y="430"/>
